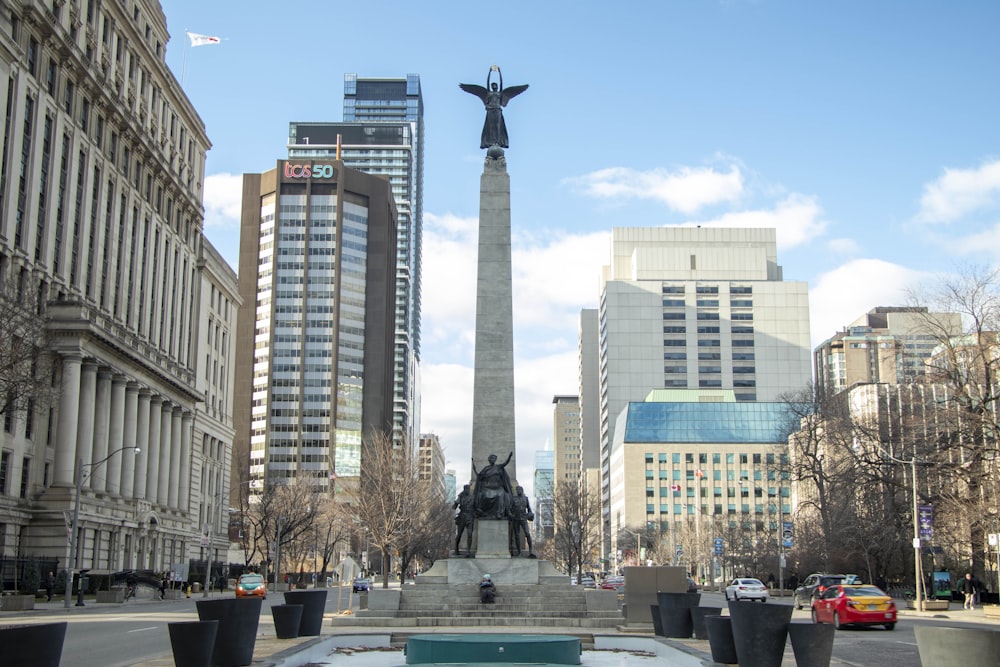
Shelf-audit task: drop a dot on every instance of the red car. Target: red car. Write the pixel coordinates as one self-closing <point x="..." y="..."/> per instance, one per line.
<point x="854" y="605"/>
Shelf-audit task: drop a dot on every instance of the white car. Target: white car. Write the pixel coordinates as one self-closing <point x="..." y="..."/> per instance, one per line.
<point x="746" y="589"/>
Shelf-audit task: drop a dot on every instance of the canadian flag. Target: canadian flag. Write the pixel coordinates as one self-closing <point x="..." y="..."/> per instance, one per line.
<point x="202" y="40"/>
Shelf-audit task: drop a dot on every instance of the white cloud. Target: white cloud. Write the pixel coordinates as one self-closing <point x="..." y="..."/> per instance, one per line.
<point x="223" y="200"/>
<point x="987" y="241"/>
<point x="686" y="189"/>
<point x="843" y="246"/>
<point x="797" y="219"/>
<point x="844" y="294"/>
<point x="960" y="192"/>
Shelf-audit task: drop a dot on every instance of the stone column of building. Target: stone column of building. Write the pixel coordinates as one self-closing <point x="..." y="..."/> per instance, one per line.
<point x="85" y="429"/>
<point x="166" y="444"/>
<point x="69" y="414"/>
<point x="493" y="375"/>
<point x="116" y="434"/>
<point x="102" y="420"/>
<point x="175" y="457"/>
<point x="185" y="486"/>
<point x="129" y="436"/>
<point x="153" y="460"/>
<point x="142" y="442"/>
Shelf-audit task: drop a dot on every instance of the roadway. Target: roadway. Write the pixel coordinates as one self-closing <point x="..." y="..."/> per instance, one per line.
<point x="134" y="633"/>
<point x="877" y="647"/>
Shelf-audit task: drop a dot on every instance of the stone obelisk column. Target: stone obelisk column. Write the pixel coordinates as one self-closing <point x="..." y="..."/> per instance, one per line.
<point x="493" y="380"/>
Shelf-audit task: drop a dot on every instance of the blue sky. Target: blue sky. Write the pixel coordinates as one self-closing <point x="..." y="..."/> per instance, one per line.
<point x="866" y="132"/>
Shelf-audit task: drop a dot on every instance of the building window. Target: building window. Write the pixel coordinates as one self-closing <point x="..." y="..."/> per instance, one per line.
<point x="25" y="477"/>
<point x="4" y="466"/>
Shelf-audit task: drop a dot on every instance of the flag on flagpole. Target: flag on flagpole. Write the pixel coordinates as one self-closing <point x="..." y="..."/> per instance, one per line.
<point x="202" y="40"/>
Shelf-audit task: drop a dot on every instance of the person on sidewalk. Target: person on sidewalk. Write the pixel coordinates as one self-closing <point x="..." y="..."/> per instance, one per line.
<point x="968" y="589"/>
<point x="50" y="584"/>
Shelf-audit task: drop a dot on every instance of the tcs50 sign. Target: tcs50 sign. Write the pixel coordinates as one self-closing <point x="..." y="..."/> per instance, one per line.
<point x="314" y="171"/>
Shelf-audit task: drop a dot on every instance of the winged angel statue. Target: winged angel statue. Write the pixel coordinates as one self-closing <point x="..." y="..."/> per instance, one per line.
<point x="494" y="98"/>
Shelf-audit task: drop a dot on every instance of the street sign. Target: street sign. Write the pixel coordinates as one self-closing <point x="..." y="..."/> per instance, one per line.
<point x="679" y="551"/>
<point x="718" y="549"/>
<point x="786" y="534"/>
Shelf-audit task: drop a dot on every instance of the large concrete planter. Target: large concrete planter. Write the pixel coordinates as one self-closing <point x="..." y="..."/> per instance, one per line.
<point x="720" y="639"/>
<point x="112" y="596"/>
<point x="313" y="603"/>
<point x="654" y="610"/>
<point x="812" y="643"/>
<point x="193" y="642"/>
<point x="287" y="618"/>
<point x="238" y="619"/>
<point x="675" y="613"/>
<point x="941" y="646"/>
<point x="698" y="615"/>
<point x="760" y="631"/>
<point x="32" y="645"/>
<point x="929" y="605"/>
<point x="17" y="603"/>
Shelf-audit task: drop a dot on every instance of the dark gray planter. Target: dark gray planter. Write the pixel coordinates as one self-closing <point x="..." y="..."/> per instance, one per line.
<point x="313" y="603"/>
<point x="675" y="613"/>
<point x="33" y="645"/>
<point x="812" y="643"/>
<point x="654" y="610"/>
<point x="941" y="646"/>
<point x="192" y="642"/>
<point x="720" y="639"/>
<point x="286" y="620"/>
<point x="698" y="615"/>
<point x="759" y="631"/>
<point x="237" y="634"/>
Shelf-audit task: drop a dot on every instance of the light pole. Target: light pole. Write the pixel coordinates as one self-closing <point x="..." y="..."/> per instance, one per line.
<point x="78" y="476"/>
<point x="917" y="574"/>
<point x="208" y="547"/>
<point x="638" y="547"/>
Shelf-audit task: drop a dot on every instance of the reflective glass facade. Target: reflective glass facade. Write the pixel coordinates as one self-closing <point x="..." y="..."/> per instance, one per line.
<point x="709" y="422"/>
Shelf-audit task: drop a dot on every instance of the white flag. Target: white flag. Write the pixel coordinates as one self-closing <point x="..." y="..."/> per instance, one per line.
<point x="202" y="40"/>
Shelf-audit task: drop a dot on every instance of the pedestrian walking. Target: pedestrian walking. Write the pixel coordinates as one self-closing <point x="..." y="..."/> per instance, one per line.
<point x="968" y="589"/>
<point x="50" y="584"/>
<point x="163" y="587"/>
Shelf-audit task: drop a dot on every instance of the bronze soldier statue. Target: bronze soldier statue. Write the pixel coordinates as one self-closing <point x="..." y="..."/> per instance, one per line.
<point x="466" y="520"/>
<point x="520" y="515"/>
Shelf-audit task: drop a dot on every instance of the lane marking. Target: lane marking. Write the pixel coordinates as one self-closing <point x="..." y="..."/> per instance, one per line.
<point x="144" y="629"/>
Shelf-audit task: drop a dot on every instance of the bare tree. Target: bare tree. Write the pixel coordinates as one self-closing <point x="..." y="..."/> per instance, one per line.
<point x="578" y="525"/>
<point x="25" y="366"/>
<point x="283" y="515"/>
<point x="390" y="501"/>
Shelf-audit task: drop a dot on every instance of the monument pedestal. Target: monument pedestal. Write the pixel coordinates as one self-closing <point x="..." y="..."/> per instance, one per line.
<point x="492" y="538"/>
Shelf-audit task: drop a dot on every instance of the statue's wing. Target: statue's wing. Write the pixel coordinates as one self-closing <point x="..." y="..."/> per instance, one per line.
<point x="473" y="89"/>
<point x="511" y="92"/>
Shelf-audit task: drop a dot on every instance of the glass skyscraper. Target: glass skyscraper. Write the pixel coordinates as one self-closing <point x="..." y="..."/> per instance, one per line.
<point x="382" y="134"/>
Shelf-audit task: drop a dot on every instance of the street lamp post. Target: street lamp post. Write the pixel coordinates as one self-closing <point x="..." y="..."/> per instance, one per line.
<point x="78" y="477"/>
<point x="638" y="546"/>
<point x="917" y="574"/>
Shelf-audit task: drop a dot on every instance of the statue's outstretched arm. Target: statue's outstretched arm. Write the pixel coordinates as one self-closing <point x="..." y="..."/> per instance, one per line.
<point x="509" y="457"/>
<point x="474" y="471"/>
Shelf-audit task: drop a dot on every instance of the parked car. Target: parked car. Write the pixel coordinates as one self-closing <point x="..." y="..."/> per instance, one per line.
<point x="613" y="583"/>
<point x="251" y="584"/>
<point x="746" y="589"/>
<point x="854" y="605"/>
<point x="361" y="585"/>
<point x="814" y="586"/>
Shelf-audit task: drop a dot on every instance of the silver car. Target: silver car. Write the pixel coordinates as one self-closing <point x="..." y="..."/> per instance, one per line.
<point x="746" y="589"/>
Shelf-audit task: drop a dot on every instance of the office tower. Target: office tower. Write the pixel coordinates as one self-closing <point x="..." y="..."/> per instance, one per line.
<point x="696" y="308"/>
<point x="567" y="456"/>
<point x="101" y="169"/>
<point x="545" y="489"/>
<point x="430" y="466"/>
<point x="691" y="465"/>
<point x="886" y="344"/>
<point x="315" y="338"/>
<point x="450" y="485"/>
<point x="369" y="103"/>
<point x="589" y="389"/>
